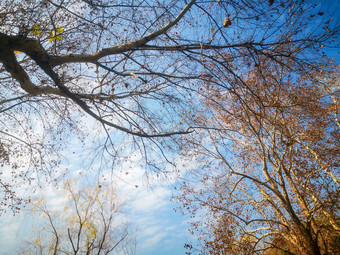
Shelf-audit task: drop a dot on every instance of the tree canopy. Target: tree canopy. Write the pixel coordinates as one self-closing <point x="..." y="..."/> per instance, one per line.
<point x="246" y="81"/>
<point x="269" y="181"/>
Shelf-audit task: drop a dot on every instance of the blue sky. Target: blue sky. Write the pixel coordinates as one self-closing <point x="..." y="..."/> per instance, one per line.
<point x="159" y="230"/>
<point x="145" y="202"/>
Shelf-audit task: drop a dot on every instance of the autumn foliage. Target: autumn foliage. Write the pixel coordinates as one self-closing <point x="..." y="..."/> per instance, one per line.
<point x="87" y="221"/>
<point x="270" y="182"/>
<point x="243" y="90"/>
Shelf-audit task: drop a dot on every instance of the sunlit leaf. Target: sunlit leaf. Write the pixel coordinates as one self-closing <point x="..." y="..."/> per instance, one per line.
<point x="35" y="30"/>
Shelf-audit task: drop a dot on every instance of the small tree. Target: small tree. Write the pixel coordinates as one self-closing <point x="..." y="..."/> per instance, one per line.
<point x="88" y="223"/>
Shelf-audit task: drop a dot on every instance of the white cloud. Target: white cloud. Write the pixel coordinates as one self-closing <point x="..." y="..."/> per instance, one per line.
<point x="151" y="201"/>
<point x="153" y="241"/>
<point x="151" y="231"/>
<point x="10" y="231"/>
<point x="145" y="202"/>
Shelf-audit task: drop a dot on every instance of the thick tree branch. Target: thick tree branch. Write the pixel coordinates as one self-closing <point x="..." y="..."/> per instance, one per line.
<point x="12" y="66"/>
<point x="72" y="58"/>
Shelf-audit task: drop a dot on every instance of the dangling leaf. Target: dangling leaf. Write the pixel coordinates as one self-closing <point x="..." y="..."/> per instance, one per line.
<point x="227" y="22"/>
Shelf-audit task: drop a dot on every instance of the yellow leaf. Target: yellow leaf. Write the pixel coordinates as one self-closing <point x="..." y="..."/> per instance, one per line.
<point x="55" y="36"/>
<point x="212" y="30"/>
<point x="59" y="30"/>
<point x="35" y="30"/>
<point x="51" y="38"/>
<point x="17" y="52"/>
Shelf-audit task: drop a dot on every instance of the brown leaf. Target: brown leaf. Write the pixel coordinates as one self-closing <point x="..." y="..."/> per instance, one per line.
<point x="227" y="22"/>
